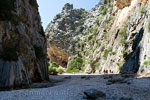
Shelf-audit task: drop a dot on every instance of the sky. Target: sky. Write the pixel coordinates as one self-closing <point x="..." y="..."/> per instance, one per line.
<point x="50" y="8"/>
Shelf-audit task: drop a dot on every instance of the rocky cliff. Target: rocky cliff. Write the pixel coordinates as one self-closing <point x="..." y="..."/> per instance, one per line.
<point x="22" y="44"/>
<point x="112" y="37"/>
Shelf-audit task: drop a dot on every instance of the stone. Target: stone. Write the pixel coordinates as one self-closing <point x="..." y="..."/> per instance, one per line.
<point x="126" y="98"/>
<point x="112" y="37"/>
<point x="116" y="79"/>
<point x="122" y="3"/>
<point x="22" y="45"/>
<point x="68" y="6"/>
<point x="94" y="94"/>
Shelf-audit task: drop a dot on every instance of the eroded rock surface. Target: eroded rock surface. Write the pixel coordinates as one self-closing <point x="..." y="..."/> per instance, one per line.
<point x="22" y="44"/>
<point x="114" y="36"/>
<point x="63" y="34"/>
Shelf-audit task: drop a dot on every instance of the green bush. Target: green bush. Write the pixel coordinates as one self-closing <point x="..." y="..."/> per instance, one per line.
<point x="52" y="70"/>
<point x="108" y="19"/>
<point x="120" y="66"/>
<point x="123" y="31"/>
<point x="54" y="64"/>
<point x="142" y="11"/>
<point x="71" y="70"/>
<point x="94" y="30"/>
<point x="148" y="27"/>
<point x="122" y="41"/>
<point x="60" y="70"/>
<point x="113" y="53"/>
<point x="147" y="63"/>
<point x="39" y="51"/>
<point x="104" y="11"/>
<point x="97" y="21"/>
<point x="76" y="63"/>
<point x="107" y="51"/>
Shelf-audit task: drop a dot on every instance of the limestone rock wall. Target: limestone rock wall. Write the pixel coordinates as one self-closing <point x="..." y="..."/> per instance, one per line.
<point x="22" y="44"/>
<point x="63" y="34"/>
<point x="114" y="37"/>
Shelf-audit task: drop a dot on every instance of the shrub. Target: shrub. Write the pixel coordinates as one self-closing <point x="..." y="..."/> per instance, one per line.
<point x="60" y="70"/>
<point x="39" y="51"/>
<point x="107" y="2"/>
<point x="97" y="21"/>
<point x="97" y="64"/>
<point x="91" y="16"/>
<point x="149" y="27"/>
<point x="71" y="70"/>
<point x="107" y="51"/>
<point x="76" y="63"/>
<point x="83" y="69"/>
<point x="54" y="64"/>
<point x="52" y="70"/>
<point x="94" y="30"/>
<point x="123" y="31"/>
<point x="147" y="63"/>
<point x="104" y="11"/>
<point x="120" y="65"/>
<point x="142" y="11"/>
<point x="108" y="20"/>
<point x="122" y="41"/>
<point x="113" y="53"/>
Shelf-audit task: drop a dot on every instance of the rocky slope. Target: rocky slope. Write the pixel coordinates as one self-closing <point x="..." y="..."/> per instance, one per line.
<point x="112" y="37"/>
<point x="63" y="34"/>
<point x="22" y="44"/>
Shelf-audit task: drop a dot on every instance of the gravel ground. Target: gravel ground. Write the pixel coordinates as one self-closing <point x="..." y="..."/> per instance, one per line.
<point x="68" y="87"/>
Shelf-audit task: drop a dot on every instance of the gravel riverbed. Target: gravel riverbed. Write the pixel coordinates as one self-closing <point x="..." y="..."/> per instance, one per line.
<point x="71" y="87"/>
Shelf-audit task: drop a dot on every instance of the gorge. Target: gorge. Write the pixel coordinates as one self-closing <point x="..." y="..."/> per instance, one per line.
<point x="100" y="54"/>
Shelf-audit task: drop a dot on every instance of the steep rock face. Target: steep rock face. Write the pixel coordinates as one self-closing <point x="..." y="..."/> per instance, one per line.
<point x="22" y="44"/>
<point x="114" y="38"/>
<point x="63" y="34"/>
<point x="122" y="3"/>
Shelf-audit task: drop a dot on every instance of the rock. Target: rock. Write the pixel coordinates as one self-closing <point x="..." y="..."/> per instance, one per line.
<point x="107" y="76"/>
<point x="41" y="85"/>
<point x="94" y="94"/>
<point x="63" y="34"/>
<point x="122" y="3"/>
<point x="22" y="44"/>
<point x="109" y="83"/>
<point x="112" y="37"/>
<point x="126" y="98"/>
<point x="68" y="6"/>
<point x="115" y="79"/>
<point x="67" y="77"/>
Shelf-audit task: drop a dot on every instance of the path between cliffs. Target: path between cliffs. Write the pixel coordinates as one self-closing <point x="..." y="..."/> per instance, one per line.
<point x="71" y="87"/>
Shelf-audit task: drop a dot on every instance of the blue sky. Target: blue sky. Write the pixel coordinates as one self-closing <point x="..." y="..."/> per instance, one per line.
<point x="49" y="8"/>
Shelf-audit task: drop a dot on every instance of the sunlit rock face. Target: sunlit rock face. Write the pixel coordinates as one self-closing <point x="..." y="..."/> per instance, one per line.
<point x="122" y="3"/>
<point x="57" y="54"/>
<point x="114" y="37"/>
<point x="63" y="34"/>
<point x="22" y="44"/>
